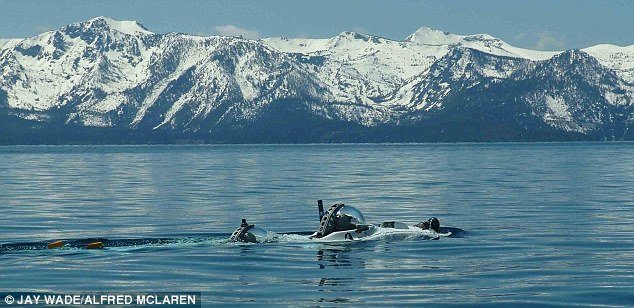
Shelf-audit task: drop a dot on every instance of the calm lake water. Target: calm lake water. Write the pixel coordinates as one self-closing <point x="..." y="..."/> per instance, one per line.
<point x="545" y="223"/>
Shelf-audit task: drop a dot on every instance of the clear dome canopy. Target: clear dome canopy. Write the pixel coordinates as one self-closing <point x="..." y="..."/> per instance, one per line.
<point x="352" y="212"/>
<point x="256" y="235"/>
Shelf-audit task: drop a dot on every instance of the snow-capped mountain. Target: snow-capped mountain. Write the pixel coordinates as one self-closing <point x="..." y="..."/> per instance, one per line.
<point x="433" y="85"/>
<point x="620" y="59"/>
<point x="108" y="73"/>
<point x="482" y="42"/>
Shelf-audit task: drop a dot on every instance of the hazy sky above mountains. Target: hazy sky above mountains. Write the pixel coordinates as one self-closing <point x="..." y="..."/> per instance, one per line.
<point x="544" y="25"/>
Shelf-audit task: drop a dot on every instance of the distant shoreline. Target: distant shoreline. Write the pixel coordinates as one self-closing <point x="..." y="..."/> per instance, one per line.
<point x="95" y="136"/>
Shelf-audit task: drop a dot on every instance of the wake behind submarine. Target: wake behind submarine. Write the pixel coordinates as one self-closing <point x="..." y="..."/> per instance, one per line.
<point x="342" y="223"/>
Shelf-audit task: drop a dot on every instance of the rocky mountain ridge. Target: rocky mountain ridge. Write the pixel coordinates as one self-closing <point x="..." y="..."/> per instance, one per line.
<point x="104" y="74"/>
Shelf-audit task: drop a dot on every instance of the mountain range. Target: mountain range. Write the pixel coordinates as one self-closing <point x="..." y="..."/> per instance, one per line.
<point x="109" y="81"/>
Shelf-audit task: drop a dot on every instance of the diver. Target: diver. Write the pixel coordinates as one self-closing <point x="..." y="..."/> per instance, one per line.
<point x="431" y="224"/>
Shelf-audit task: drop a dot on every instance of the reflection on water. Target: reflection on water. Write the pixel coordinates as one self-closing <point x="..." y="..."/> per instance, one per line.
<point x="546" y="223"/>
<point x="335" y="258"/>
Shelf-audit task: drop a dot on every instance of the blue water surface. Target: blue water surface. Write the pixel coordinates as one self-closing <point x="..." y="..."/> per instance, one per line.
<point x="548" y="223"/>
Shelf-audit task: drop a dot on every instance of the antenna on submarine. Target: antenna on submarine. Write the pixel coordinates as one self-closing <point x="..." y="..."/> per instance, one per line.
<point x="320" y="206"/>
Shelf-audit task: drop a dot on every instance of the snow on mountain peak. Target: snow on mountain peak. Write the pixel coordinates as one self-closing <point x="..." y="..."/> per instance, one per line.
<point x="297" y="45"/>
<point x="354" y="35"/>
<point x="482" y="42"/>
<point x="6" y="43"/>
<point x="621" y="59"/>
<point x="129" y="27"/>
<point x="429" y="36"/>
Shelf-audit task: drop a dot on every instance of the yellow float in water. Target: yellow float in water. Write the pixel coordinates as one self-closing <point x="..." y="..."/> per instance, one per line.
<point x="56" y="244"/>
<point x="95" y="245"/>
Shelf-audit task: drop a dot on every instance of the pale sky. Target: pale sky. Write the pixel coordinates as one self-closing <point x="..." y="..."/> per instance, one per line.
<point x="544" y="25"/>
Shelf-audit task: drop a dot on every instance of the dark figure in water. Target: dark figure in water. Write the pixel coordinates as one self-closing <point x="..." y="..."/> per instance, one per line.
<point x="433" y="224"/>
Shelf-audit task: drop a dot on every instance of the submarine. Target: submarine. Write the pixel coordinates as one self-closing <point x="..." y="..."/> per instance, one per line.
<point x="345" y="223"/>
